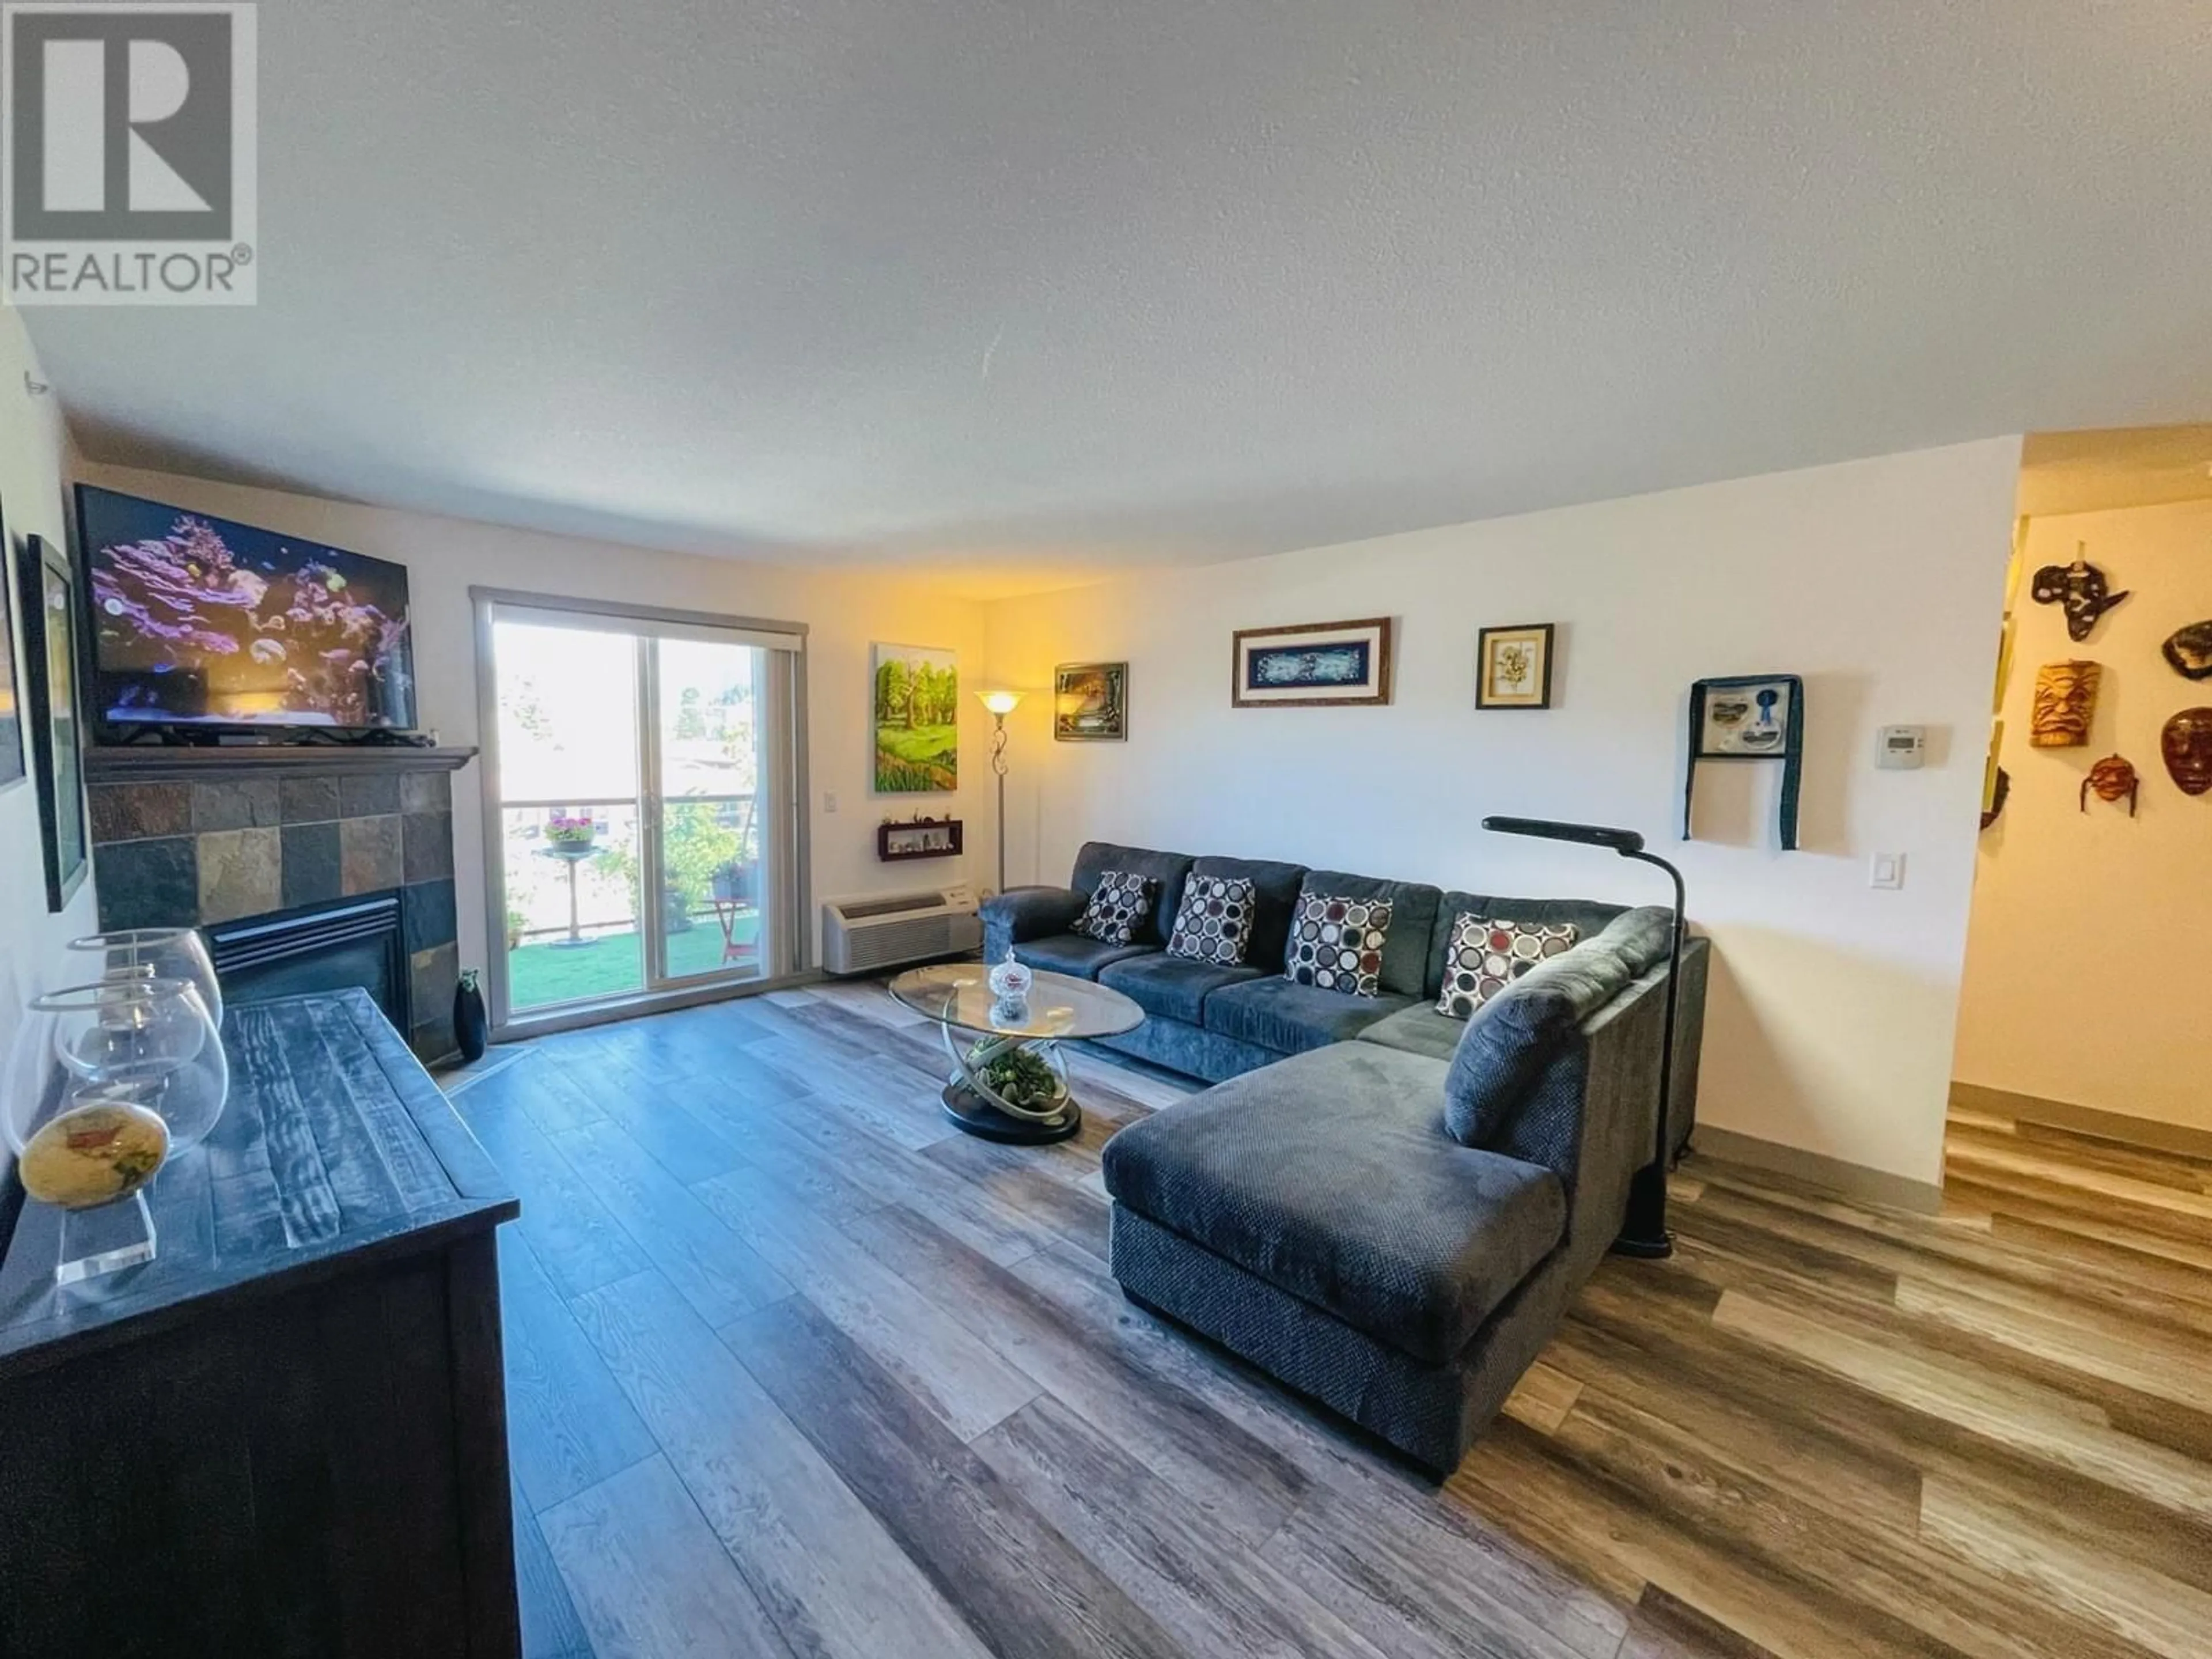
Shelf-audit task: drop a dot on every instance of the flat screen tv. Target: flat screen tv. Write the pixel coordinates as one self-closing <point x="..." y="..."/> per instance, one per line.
<point x="197" y="621"/>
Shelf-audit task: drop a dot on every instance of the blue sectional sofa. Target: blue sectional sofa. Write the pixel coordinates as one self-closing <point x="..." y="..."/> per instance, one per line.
<point x="1313" y="1212"/>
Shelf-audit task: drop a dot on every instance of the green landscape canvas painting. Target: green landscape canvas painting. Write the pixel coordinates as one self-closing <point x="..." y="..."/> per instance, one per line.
<point x="917" y="719"/>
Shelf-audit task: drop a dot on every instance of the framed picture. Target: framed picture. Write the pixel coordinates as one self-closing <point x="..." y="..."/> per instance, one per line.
<point x="45" y="592"/>
<point x="1747" y="717"/>
<point x="1311" y="663"/>
<point x="11" y="710"/>
<point x="1513" y="667"/>
<point x="917" y="704"/>
<point x="1090" y="702"/>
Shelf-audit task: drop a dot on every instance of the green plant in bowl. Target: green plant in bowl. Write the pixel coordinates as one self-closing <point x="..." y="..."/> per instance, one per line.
<point x="1021" y="1077"/>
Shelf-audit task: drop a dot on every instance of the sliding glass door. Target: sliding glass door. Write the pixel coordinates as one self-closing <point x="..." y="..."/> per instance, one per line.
<point x="712" y="790"/>
<point x="569" y="812"/>
<point x="642" y="800"/>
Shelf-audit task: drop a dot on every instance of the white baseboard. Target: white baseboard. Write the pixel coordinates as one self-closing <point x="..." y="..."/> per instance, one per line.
<point x="1847" y="1179"/>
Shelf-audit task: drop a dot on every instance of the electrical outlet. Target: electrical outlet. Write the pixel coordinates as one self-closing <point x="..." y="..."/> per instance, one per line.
<point x="1888" y="870"/>
<point x="829" y="800"/>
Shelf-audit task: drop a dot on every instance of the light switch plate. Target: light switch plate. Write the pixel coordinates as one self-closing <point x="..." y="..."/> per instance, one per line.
<point x="1886" y="871"/>
<point x="829" y="800"/>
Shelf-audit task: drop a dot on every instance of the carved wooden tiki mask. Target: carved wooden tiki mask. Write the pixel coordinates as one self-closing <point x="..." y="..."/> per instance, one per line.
<point x="2186" y="744"/>
<point x="2065" y="698"/>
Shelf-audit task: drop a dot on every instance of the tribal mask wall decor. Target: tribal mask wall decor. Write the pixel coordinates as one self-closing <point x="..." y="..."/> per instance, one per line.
<point x="2190" y="650"/>
<point x="2112" y="778"/>
<point x="2065" y="698"/>
<point x="2080" y="588"/>
<point x="2186" y="743"/>
<point x="2000" y="791"/>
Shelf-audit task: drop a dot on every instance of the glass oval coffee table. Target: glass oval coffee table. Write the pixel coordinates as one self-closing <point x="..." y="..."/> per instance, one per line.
<point x="1009" y="1081"/>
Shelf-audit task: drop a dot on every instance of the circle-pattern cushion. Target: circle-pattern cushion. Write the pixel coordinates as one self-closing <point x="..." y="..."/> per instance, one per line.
<point x="1336" y="944"/>
<point x="1214" y="921"/>
<point x="1118" y="907"/>
<point x="1488" y="953"/>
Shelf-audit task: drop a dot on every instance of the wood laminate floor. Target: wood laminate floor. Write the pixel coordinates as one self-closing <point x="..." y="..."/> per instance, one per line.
<point x="796" y="1370"/>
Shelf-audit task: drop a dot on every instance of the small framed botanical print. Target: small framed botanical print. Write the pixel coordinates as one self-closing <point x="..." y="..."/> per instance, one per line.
<point x="1513" y="667"/>
<point x="1090" y="702"/>
<point x="1311" y="663"/>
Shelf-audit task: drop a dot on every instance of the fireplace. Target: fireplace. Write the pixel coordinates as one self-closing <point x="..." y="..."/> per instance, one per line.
<point x="237" y="841"/>
<point x="318" y="947"/>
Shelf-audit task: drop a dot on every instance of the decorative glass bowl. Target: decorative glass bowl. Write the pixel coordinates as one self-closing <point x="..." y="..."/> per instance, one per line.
<point x="160" y="953"/>
<point x="1010" y="981"/>
<point x="105" y="1083"/>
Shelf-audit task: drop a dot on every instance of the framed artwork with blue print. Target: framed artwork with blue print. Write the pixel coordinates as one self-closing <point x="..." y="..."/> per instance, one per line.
<point x="1312" y="664"/>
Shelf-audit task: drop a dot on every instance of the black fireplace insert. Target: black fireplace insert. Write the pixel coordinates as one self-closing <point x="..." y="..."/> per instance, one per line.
<point x="317" y="947"/>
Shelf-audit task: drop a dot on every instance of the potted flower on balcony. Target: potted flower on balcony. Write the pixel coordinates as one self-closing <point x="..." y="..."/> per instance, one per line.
<point x="565" y="830"/>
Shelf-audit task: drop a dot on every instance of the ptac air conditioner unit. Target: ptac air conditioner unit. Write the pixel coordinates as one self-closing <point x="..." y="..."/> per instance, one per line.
<point x="860" y="935"/>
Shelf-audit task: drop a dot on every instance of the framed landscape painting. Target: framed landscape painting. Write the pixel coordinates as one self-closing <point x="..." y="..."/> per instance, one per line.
<point x="1091" y="702"/>
<point x="917" y="701"/>
<point x="1309" y="665"/>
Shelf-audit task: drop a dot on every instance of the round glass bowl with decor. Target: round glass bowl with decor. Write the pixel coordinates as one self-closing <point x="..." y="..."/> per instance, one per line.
<point x="153" y="953"/>
<point x="105" y="1085"/>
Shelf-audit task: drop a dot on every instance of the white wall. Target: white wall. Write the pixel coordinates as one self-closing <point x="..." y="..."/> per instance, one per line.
<point x="1833" y="1006"/>
<point x="33" y="457"/>
<point x="445" y="557"/>
<point x="2087" y="976"/>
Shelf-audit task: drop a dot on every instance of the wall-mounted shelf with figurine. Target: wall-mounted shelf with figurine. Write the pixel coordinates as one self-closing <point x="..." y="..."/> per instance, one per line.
<point x="918" y="838"/>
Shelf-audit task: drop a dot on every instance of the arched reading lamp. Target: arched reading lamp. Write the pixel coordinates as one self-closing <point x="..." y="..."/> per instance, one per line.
<point x="1001" y="704"/>
<point x="1644" y="1230"/>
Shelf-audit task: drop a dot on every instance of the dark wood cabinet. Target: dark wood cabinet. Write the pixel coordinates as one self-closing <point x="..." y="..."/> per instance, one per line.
<point x="285" y="1436"/>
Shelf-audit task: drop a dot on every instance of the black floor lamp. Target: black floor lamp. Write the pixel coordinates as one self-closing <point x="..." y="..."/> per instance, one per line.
<point x="1644" y="1230"/>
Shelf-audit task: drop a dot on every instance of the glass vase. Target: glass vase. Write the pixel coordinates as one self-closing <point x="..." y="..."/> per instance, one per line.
<point x="104" y="1084"/>
<point x="87" y="1157"/>
<point x="149" y="1042"/>
<point x="168" y="952"/>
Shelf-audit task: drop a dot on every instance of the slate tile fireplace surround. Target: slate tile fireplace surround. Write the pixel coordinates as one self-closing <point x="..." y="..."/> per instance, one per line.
<point x="200" y="838"/>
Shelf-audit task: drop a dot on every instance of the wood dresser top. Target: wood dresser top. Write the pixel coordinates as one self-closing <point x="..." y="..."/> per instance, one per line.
<point x="335" y="1143"/>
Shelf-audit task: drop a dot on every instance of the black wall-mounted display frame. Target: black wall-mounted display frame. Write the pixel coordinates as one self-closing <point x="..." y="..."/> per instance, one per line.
<point x="1790" y="748"/>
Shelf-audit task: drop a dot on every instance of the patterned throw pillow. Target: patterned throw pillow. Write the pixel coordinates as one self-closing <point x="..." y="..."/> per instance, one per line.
<point x="1336" y="944"/>
<point x="1488" y="954"/>
<point x="1214" y="923"/>
<point x="1119" y="905"/>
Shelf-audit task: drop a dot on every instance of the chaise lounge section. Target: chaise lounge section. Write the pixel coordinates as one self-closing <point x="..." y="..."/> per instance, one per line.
<point x="1383" y="1206"/>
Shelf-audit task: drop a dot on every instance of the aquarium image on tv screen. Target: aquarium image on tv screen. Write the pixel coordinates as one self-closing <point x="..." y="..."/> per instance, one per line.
<point x="197" y="621"/>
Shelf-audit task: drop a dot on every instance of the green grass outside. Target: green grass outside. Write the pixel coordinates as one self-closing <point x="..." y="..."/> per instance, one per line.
<point x="610" y="964"/>
<point x="918" y="757"/>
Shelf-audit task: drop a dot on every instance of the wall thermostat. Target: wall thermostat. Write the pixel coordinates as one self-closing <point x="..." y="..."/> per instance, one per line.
<point x="1901" y="748"/>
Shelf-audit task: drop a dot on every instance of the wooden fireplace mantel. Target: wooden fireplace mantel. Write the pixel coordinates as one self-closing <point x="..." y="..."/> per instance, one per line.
<point x="160" y="763"/>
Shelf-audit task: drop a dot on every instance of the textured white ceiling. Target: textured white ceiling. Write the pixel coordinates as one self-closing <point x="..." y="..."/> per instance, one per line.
<point x="1021" y="291"/>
